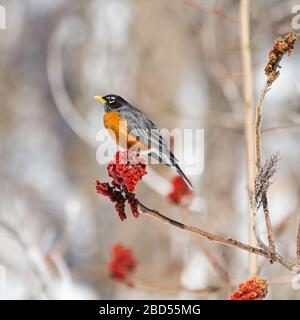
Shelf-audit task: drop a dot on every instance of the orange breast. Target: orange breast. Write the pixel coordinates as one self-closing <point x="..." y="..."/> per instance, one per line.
<point x="117" y="128"/>
<point x="112" y="121"/>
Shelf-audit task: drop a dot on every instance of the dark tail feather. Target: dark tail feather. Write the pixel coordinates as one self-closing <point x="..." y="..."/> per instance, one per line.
<point x="181" y="173"/>
<point x="183" y="176"/>
<point x="172" y="162"/>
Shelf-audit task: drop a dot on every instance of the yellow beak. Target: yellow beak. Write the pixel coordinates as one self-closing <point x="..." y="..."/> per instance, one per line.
<point x="101" y="99"/>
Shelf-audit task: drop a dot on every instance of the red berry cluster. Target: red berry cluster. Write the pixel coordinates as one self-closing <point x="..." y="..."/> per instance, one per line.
<point x="252" y="289"/>
<point x="122" y="263"/>
<point x="126" y="170"/>
<point x="181" y="194"/>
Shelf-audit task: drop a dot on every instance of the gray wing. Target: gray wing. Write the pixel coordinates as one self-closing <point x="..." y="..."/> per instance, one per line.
<point x="144" y="130"/>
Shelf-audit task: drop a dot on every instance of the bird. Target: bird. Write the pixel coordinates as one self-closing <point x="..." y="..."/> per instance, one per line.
<point x="132" y="129"/>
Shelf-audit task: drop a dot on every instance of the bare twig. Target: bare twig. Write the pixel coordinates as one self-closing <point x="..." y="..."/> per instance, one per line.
<point x="218" y="238"/>
<point x="258" y="120"/>
<point x="262" y="195"/>
<point x="270" y="231"/>
<point x="248" y="128"/>
<point x="280" y="47"/>
<point x="264" y="199"/>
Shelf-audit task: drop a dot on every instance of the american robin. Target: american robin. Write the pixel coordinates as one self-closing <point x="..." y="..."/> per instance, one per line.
<point x="132" y="129"/>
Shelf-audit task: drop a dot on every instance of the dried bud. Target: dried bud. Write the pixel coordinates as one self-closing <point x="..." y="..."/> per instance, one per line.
<point x="281" y="47"/>
<point x="252" y="289"/>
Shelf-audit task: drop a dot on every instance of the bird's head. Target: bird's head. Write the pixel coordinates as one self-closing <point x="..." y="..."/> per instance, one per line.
<point x="111" y="102"/>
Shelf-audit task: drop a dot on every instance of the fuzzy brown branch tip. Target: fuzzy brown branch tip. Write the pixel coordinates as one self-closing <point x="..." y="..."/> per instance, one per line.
<point x="263" y="180"/>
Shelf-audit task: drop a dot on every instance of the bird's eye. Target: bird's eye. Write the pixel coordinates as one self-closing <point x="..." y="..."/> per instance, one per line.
<point x="111" y="100"/>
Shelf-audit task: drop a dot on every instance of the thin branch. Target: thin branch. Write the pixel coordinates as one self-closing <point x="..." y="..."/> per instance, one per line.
<point x="281" y="47"/>
<point x="248" y="129"/>
<point x="270" y="231"/>
<point x="264" y="200"/>
<point x="258" y="121"/>
<point x="218" y="238"/>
